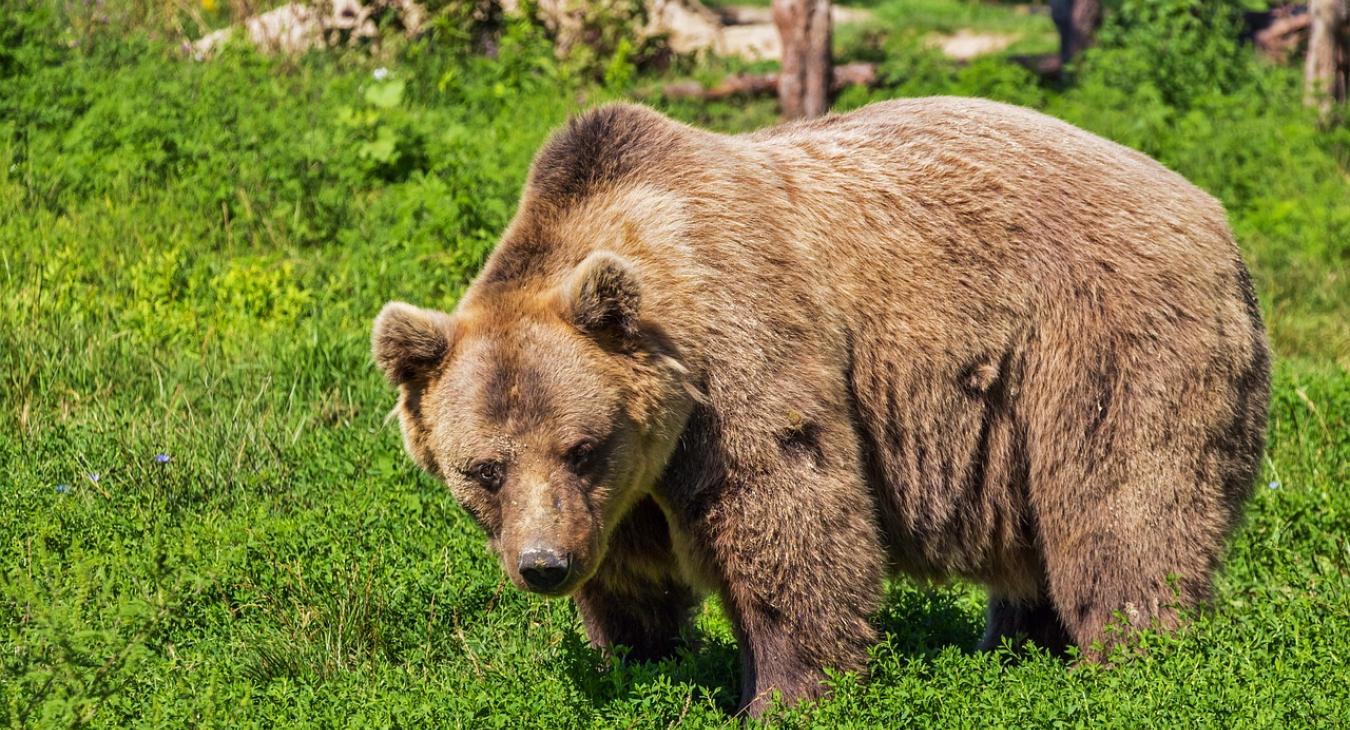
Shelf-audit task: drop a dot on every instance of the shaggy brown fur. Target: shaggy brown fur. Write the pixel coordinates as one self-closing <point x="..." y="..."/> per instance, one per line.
<point x="942" y="337"/>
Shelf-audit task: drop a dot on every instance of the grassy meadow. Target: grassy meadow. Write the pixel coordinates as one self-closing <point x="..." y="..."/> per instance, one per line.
<point x="207" y="519"/>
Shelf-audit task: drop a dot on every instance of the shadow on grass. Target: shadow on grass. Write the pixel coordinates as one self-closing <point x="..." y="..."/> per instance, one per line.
<point x="916" y="621"/>
<point x="710" y="666"/>
<point x="920" y="620"/>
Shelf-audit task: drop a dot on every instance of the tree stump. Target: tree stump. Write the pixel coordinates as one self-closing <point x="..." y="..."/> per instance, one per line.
<point x="804" y="81"/>
<point x="1327" y="73"/>
<point x="1077" y="22"/>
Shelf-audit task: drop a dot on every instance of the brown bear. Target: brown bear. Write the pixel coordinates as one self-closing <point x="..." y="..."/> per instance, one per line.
<point x="938" y="337"/>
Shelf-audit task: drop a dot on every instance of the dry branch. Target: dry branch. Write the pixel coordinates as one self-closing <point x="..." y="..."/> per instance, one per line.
<point x="1287" y="30"/>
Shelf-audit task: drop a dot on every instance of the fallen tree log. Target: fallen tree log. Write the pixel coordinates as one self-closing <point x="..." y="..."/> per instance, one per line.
<point x="685" y="27"/>
<point x="297" y="27"/>
<point x="852" y="74"/>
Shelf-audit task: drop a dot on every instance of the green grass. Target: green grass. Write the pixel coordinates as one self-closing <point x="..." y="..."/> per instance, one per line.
<point x="949" y="16"/>
<point x="1029" y="24"/>
<point x="190" y="257"/>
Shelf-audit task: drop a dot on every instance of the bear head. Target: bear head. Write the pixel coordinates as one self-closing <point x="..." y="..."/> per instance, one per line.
<point x="548" y="410"/>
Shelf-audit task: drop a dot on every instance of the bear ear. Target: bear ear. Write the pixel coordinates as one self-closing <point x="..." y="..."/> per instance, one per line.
<point x="409" y="341"/>
<point x="603" y="298"/>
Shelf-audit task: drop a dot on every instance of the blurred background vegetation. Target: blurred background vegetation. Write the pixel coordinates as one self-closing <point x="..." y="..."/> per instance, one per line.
<point x="193" y="243"/>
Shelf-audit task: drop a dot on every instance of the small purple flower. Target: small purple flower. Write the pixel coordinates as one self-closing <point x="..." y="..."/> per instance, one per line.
<point x="92" y="476"/>
<point x="162" y="458"/>
<point x="62" y="488"/>
<point x="380" y="74"/>
<point x="1274" y="485"/>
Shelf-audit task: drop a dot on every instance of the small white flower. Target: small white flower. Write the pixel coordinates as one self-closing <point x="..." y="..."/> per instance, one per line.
<point x="380" y="73"/>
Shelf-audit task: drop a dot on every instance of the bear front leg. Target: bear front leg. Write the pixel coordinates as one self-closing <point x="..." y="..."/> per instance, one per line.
<point x="635" y="599"/>
<point x="647" y="616"/>
<point x="795" y="549"/>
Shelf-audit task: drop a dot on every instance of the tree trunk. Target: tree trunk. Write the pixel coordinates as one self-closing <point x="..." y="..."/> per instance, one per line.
<point x="1077" y="22"/>
<point x="1328" y="62"/>
<point x="804" y="82"/>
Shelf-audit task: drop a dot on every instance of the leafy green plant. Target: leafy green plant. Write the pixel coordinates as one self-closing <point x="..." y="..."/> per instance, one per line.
<point x="384" y="138"/>
<point x="1184" y="51"/>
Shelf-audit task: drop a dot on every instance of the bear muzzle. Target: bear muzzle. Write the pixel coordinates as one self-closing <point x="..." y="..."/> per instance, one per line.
<point x="544" y="569"/>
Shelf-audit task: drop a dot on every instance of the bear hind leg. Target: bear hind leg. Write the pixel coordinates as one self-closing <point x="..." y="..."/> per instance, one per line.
<point x="1105" y="587"/>
<point x="1133" y="488"/>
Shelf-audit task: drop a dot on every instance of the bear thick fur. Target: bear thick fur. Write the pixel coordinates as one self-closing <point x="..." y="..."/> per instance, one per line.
<point x="937" y="337"/>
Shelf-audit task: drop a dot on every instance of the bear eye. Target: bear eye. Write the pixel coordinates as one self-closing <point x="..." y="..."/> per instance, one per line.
<point x="581" y="457"/>
<point x="488" y="474"/>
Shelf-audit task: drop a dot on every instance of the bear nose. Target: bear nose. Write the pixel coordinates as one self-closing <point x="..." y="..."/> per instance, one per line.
<point x="544" y="569"/>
